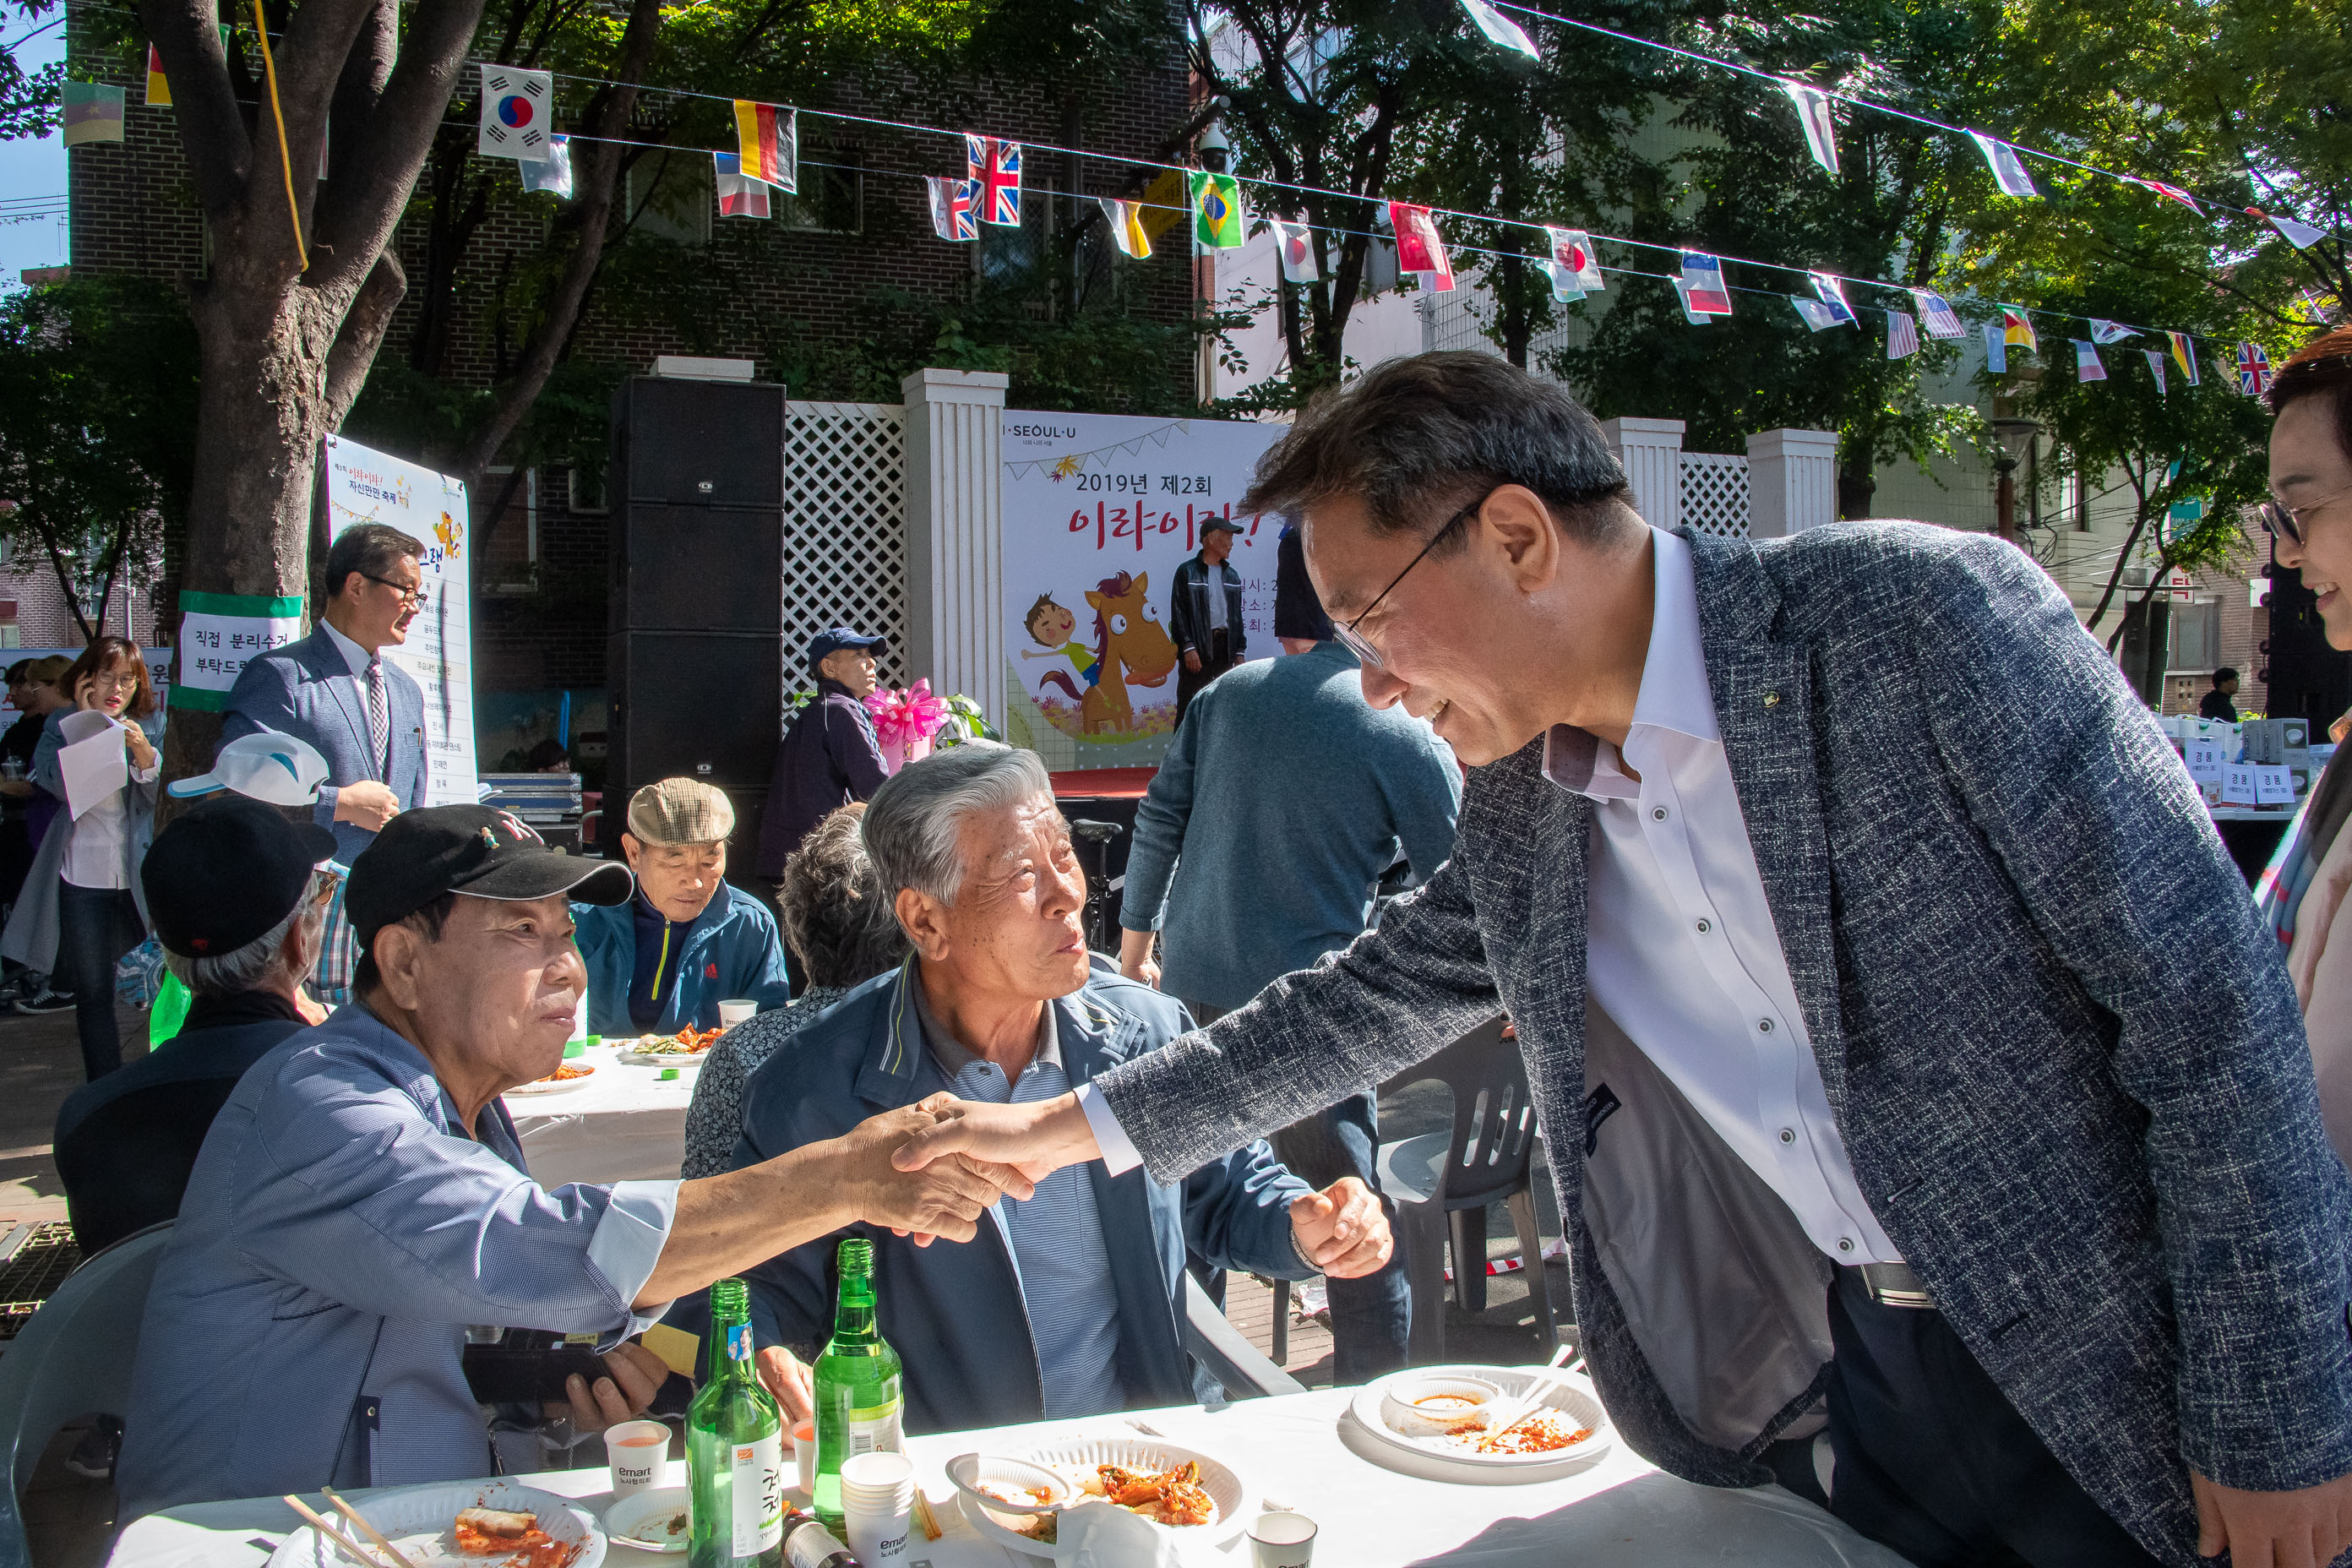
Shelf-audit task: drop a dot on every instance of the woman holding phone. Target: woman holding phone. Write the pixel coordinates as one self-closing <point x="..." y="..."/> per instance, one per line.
<point x="81" y="908"/>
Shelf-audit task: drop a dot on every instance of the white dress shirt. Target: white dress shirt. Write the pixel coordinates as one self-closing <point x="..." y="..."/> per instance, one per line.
<point x="358" y="658"/>
<point x="94" y="854"/>
<point x="1682" y="954"/>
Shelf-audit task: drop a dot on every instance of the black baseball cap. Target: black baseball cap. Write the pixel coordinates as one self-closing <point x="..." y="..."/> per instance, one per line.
<point x="472" y="849"/>
<point x="225" y="871"/>
<point x="834" y="641"/>
<point x="1211" y="525"/>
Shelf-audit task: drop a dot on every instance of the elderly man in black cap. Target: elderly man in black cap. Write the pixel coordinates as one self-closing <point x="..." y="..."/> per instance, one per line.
<point x="830" y="756"/>
<point x="239" y="899"/>
<point x="1205" y="613"/>
<point x="363" y="1201"/>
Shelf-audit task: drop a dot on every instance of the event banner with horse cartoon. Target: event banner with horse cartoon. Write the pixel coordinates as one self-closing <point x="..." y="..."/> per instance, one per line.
<point x="1100" y="511"/>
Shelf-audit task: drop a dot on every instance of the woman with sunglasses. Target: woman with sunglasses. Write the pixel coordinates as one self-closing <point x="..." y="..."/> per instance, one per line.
<point x="2309" y="518"/>
<point x="81" y="908"/>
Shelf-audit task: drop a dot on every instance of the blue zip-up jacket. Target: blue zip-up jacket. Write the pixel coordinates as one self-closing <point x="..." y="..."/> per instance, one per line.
<point x="955" y="1312"/>
<point x="730" y="951"/>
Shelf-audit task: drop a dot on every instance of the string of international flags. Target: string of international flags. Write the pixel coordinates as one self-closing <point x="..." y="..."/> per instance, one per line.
<point x="516" y="115"/>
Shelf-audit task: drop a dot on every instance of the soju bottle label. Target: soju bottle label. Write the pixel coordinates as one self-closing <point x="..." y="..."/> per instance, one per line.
<point x="759" y="1494"/>
<point x="873" y="1430"/>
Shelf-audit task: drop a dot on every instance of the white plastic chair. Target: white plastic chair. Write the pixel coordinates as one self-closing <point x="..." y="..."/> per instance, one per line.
<point x="73" y="1359"/>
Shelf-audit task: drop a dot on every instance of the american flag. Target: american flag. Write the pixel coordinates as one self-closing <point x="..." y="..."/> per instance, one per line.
<point x="1943" y="321"/>
<point x="2254" y="369"/>
<point x="1902" y="335"/>
<point x="951" y="203"/>
<point x="995" y="167"/>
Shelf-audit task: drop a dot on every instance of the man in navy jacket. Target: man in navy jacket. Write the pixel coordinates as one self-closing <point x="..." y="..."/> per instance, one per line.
<point x="1071" y="1303"/>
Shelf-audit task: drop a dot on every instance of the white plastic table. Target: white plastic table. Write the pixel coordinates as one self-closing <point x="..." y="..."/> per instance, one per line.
<point x="623" y="1125"/>
<point x="1620" y="1513"/>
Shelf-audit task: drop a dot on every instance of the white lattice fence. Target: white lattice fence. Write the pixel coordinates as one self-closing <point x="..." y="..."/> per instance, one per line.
<point x="1715" y="493"/>
<point x="845" y="529"/>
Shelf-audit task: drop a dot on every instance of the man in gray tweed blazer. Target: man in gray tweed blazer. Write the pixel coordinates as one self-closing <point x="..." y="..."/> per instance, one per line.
<point x="1938" y="1090"/>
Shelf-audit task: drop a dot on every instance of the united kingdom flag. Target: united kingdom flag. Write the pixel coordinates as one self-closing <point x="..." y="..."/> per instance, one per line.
<point x="2254" y="369"/>
<point x="995" y="167"/>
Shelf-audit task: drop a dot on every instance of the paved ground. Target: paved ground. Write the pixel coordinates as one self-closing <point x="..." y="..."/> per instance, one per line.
<point x="70" y="1519"/>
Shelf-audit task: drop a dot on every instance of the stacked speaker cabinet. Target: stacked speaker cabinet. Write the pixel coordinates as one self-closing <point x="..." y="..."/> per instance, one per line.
<point x="694" y="661"/>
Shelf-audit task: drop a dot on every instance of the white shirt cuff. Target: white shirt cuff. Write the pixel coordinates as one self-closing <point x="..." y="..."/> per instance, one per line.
<point x="1119" y="1155"/>
<point x="628" y="1242"/>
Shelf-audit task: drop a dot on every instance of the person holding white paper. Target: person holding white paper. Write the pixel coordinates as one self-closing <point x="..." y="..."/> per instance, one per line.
<point x="82" y="909"/>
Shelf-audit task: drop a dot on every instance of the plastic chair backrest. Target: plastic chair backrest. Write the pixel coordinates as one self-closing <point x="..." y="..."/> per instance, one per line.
<point x="1494" y="1119"/>
<point x="72" y="1359"/>
<point x="1213" y="1342"/>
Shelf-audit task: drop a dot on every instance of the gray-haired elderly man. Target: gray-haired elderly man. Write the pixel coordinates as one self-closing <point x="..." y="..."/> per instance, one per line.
<point x="1072" y="1303"/>
<point x="1933" y="1075"/>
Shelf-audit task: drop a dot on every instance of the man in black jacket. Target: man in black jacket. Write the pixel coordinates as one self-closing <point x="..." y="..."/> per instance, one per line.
<point x="1205" y="613"/>
<point x="239" y="903"/>
<point x="830" y="756"/>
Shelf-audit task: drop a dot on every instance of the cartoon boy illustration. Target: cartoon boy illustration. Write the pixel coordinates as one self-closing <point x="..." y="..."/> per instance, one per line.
<point x="1050" y="625"/>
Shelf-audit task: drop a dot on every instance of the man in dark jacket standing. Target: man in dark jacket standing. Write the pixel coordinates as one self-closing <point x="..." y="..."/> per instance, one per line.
<point x="1205" y="613"/>
<point x="830" y="756"/>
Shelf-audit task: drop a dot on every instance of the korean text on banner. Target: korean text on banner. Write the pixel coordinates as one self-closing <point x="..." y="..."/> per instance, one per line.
<point x="364" y="486"/>
<point x="1100" y="510"/>
<point x="218" y="631"/>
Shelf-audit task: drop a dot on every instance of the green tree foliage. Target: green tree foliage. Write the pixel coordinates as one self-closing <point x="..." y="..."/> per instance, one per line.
<point x="98" y="392"/>
<point x="28" y="100"/>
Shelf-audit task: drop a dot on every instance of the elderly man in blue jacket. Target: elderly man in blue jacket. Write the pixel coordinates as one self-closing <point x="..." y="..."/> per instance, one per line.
<point x="1070" y="1303"/>
<point x="687" y="941"/>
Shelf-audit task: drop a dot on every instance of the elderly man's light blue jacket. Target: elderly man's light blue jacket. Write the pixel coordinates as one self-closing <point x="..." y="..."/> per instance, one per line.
<point x="338" y="1235"/>
<point x="955" y="1311"/>
<point x="730" y="952"/>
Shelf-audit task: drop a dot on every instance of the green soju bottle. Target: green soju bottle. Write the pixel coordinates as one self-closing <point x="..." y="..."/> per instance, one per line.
<point x="734" y="1450"/>
<point x="859" y="1397"/>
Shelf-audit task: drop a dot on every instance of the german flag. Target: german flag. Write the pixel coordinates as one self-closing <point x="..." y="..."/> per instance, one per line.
<point x="767" y="142"/>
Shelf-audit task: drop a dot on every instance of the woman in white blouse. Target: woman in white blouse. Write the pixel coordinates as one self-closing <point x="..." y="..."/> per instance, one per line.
<point x="82" y="900"/>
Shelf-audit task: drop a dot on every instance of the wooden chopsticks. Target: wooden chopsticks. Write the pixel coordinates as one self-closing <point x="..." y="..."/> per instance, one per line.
<point x="344" y="1544"/>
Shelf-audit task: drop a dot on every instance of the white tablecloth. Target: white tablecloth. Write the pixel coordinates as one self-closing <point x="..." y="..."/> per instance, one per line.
<point x="624" y="1125"/>
<point x="1621" y="1513"/>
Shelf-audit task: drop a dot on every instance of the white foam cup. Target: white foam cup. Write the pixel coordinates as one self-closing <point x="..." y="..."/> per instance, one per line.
<point x="640" y="1454"/>
<point x="877" y="1505"/>
<point x="1281" y="1540"/>
<point x="804" y="1455"/>
<point x="737" y="1012"/>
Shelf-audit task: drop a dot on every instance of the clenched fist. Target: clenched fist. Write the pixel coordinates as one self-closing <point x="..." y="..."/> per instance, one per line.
<point x="1342" y="1230"/>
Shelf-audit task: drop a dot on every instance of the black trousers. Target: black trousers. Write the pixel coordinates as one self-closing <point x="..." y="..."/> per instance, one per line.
<point x="96" y="926"/>
<point x="1216" y="660"/>
<point x="1934" y="1461"/>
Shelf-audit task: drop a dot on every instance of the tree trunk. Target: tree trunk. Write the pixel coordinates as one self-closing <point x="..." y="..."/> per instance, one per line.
<point x="1856" y="484"/>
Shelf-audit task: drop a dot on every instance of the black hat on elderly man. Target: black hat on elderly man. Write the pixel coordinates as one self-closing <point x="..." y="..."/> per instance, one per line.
<point x="225" y="872"/>
<point x="827" y="642"/>
<point x="1218" y="525"/>
<point x="472" y="849"/>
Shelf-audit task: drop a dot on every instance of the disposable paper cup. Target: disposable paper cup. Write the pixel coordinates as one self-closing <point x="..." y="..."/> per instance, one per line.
<point x="733" y="1013"/>
<point x="639" y="1453"/>
<point x="1281" y="1540"/>
<point x="877" y="1505"/>
<point x="804" y="1455"/>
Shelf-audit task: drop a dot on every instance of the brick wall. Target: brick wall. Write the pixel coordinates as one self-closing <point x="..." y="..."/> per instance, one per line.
<point x="763" y="291"/>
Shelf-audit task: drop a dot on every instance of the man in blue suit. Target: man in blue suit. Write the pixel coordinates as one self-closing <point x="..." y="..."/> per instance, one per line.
<point x="335" y="689"/>
<point x="1072" y="1303"/>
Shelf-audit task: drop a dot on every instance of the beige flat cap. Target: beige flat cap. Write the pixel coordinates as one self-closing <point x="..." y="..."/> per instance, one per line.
<point x="681" y="811"/>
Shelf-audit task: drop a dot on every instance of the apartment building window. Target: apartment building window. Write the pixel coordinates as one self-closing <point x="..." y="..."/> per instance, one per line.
<point x="2196" y="636"/>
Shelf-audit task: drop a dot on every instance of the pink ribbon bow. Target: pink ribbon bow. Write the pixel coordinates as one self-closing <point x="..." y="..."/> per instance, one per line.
<point x="913" y="714"/>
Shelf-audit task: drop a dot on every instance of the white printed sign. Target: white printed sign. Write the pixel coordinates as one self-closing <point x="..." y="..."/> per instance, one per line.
<point x="2274" y="785"/>
<point x="364" y="486"/>
<point x="1100" y="511"/>
<point x="2205" y="760"/>
<point x="2237" y="784"/>
<point x="218" y="633"/>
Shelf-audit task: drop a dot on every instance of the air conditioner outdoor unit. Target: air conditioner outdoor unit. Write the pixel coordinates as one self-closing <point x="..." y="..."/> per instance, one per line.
<point x="2136" y="576"/>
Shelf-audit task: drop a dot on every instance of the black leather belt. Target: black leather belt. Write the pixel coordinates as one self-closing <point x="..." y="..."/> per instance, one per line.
<point x="1894" y="1284"/>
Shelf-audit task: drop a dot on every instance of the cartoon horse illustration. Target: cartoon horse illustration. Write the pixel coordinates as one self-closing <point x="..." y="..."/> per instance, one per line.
<point x="1128" y="646"/>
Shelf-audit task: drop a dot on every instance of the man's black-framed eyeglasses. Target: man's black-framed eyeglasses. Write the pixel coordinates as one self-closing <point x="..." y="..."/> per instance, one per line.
<point x="1355" y="641"/>
<point x="407" y="596"/>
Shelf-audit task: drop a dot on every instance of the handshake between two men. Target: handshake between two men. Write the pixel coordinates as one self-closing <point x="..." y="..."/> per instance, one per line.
<point x="894" y="1178"/>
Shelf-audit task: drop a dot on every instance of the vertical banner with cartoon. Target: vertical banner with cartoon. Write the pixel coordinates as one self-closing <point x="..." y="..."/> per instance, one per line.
<point x="364" y="486"/>
<point x="1099" y="510"/>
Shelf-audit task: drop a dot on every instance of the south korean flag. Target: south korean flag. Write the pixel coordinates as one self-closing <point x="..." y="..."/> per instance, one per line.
<point x="517" y="114"/>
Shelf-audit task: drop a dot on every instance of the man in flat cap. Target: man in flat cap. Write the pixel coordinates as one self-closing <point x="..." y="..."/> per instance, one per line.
<point x="687" y="941"/>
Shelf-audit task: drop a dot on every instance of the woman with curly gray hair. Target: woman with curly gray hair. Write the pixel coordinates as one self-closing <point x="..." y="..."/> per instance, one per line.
<point x="840" y="925"/>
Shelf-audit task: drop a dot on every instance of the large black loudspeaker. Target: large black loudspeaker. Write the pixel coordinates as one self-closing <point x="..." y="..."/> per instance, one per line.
<point x="2307" y="678"/>
<point x="695" y="661"/>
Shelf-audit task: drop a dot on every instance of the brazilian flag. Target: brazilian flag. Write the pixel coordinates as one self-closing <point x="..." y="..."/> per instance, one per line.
<point x="1216" y="212"/>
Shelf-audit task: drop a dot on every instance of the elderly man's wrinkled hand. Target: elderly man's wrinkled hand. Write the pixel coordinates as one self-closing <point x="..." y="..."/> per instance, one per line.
<point x="1342" y="1230"/>
<point x="633" y="1375"/>
<point x="786" y="1378"/>
<point x="944" y="1198"/>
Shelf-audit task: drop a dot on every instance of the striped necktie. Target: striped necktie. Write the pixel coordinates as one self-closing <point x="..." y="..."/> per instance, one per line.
<point x="379" y="722"/>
